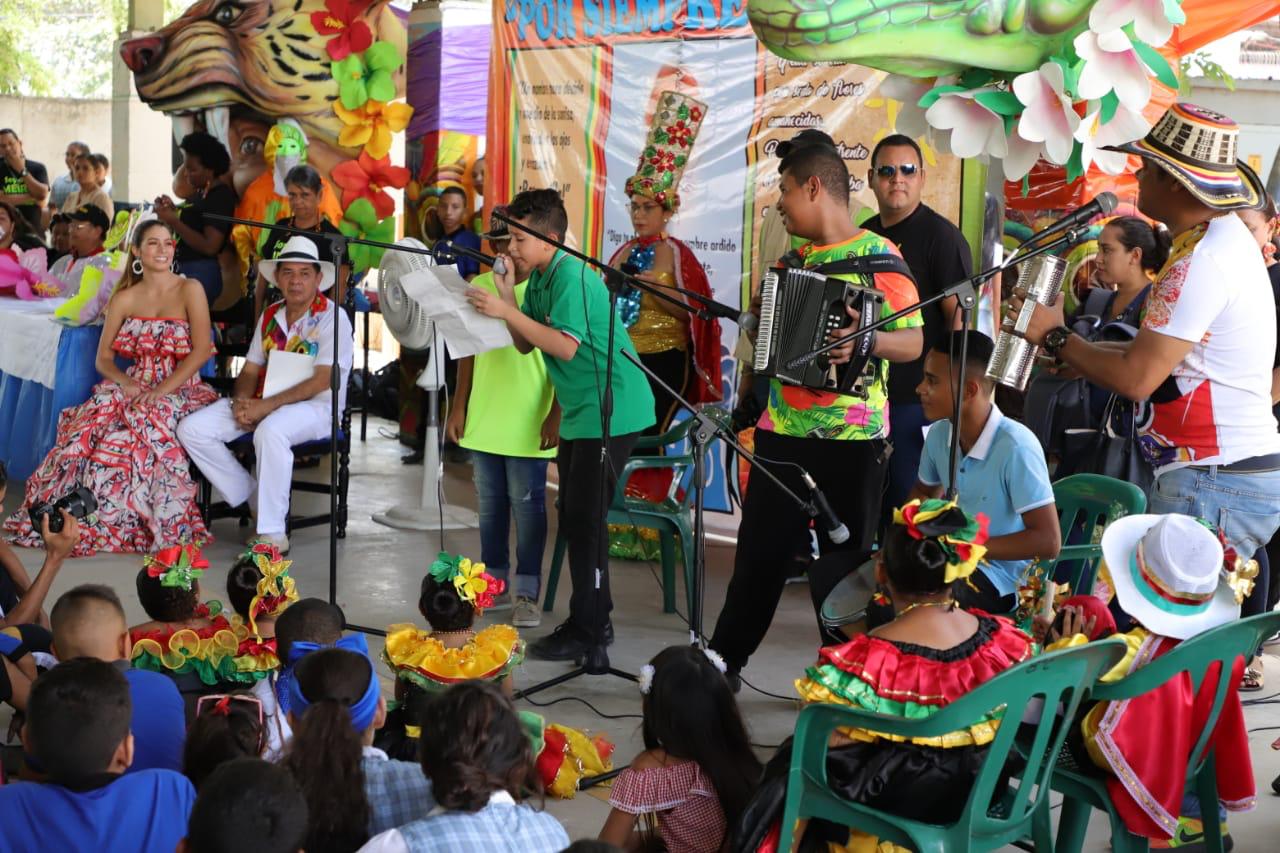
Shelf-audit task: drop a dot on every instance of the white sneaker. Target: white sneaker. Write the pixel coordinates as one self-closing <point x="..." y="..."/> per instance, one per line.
<point x="501" y="602"/>
<point x="281" y="542"/>
<point x="527" y="613"/>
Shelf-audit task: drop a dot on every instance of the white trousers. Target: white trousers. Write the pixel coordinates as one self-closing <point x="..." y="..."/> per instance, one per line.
<point x="204" y="435"/>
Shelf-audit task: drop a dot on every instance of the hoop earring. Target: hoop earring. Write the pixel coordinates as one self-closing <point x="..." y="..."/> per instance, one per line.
<point x="136" y="266"/>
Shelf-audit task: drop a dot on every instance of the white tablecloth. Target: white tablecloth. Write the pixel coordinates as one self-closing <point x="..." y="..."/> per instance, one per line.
<point x="29" y="338"/>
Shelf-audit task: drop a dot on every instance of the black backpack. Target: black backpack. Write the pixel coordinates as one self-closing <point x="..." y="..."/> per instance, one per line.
<point x="1055" y="404"/>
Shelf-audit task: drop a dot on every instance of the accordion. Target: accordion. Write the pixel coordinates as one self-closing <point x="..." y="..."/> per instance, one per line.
<point x="799" y="310"/>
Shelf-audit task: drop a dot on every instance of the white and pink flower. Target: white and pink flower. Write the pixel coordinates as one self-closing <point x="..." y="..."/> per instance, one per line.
<point x="975" y="130"/>
<point x="1152" y="20"/>
<point x="1049" y="116"/>
<point x="1125" y="126"/>
<point x="1111" y="64"/>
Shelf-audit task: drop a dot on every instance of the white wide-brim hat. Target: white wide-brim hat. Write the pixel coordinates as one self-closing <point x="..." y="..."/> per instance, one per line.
<point x="299" y="249"/>
<point x="1175" y="586"/>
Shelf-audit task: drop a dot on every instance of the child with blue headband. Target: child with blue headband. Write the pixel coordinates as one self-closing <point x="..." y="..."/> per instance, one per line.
<point x="353" y="789"/>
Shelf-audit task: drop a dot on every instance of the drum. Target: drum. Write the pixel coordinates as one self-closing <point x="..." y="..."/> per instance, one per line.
<point x="845" y="609"/>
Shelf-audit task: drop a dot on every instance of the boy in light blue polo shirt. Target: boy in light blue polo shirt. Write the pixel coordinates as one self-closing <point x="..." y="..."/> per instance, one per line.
<point x="1002" y="473"/>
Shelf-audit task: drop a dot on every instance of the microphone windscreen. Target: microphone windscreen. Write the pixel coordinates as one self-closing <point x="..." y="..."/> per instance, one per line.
<point x="1107" y="202"/>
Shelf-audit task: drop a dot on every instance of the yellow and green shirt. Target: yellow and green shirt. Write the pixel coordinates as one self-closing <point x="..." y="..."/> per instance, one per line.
<point x="806" y="413"/>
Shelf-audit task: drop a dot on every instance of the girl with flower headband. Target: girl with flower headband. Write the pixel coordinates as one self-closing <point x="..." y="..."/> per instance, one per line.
<point x="259" y="589"/>
<point x="929" y="655"/>
<point x="192" y="642"/>
<point x="454" y="592"/>
<point x="697" y="772"/>
<point x="353" y="790"/>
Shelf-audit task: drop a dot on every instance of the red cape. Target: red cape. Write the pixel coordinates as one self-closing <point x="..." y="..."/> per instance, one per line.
<point x="1150" y="761"/>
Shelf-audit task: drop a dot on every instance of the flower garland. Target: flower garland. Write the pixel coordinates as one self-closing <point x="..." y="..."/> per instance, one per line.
<point x="1067" y="110"/>
<point x="364" y="69"/>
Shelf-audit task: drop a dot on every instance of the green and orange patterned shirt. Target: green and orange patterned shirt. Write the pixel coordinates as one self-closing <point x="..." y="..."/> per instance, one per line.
<point x="806" y="413"/>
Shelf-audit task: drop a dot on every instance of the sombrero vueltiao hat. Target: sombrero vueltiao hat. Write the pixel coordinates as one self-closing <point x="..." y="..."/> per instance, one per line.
<point x="299" y="249"/>
<point x="676" y="121"/>
<point x="1167" y="573"/>
<point x="1198" y="147"/>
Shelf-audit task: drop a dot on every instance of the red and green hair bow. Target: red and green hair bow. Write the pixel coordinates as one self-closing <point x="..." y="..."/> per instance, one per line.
<point x="961" y="537"/>
<point x="176" y="566"/>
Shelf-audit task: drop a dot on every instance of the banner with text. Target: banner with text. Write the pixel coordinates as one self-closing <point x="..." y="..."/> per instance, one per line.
<point x="572" y="89"/>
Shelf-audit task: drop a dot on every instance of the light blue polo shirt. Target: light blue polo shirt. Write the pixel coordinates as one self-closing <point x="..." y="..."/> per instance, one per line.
<point x="1003" y="475"/>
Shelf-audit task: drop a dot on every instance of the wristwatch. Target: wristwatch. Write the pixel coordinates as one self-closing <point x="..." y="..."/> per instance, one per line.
<point x="1055" y="339"/>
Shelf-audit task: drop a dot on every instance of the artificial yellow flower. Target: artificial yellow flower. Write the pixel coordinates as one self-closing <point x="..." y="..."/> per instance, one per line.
<point x="371" y="126"/>
<point x="470" y="581"/>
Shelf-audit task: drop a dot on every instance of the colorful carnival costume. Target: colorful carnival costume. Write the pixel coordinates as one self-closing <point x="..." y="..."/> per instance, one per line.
<point x="222" y="652"/>
<point x="1174" y="576"/>
<point x="427" y="667"/>
<point x="127" y="453"/>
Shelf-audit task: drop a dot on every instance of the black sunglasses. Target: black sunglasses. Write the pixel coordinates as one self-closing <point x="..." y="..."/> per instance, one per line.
<point x="907" y="170"/>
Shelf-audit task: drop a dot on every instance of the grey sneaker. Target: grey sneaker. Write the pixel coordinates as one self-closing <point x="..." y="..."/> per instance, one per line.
<point x="527" y="613"/>
<point x="501" y="602"/>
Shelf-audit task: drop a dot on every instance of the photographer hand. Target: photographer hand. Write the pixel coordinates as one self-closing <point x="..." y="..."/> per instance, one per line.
<point x="60" y="545"/>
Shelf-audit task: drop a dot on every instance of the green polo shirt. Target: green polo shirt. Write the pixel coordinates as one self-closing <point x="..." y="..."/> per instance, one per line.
<point x="572" y="299"/>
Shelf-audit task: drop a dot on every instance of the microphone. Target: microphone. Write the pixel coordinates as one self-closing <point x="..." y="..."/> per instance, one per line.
<point x="447" y="247"/>
<point x="1102" y="205"/>
<point x="836" y="530"/>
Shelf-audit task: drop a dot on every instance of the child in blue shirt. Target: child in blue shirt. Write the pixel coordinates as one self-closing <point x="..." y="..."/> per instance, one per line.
<point x="78" y="730"/>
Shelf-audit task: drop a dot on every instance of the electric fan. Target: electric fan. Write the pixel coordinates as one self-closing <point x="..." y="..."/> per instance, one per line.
<point x="410" y="325"/>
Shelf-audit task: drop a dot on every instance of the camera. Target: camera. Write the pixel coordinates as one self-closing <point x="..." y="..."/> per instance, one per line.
<point x="80" y="502"/>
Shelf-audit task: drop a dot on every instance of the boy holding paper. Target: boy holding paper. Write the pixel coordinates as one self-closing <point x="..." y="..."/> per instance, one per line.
<point x="297" y="334"/>
<point x="565" y="316"/>
<point x="504" y="411"/>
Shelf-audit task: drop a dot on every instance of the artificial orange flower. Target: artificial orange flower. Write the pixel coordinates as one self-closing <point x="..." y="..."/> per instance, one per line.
<point x="371" y="126"/>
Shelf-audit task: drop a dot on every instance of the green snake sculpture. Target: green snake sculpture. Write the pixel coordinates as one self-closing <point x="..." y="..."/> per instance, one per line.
<point x="921" y="38"/>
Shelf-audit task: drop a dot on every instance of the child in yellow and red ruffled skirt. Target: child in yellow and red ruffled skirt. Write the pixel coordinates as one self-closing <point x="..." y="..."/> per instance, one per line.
<point x="454" y="592"/>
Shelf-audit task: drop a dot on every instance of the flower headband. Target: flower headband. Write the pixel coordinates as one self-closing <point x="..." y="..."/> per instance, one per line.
<point x="472" y="583"/>
<point x="960" y="536"/>
<point x="176" y="566"/>
<point x="276" y="590"/>
<point x="647" y="671"/>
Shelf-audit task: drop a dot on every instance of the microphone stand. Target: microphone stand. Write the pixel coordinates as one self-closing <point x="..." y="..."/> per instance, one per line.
<point x="965" y="292"/>
<point x="338" y="247"/>
<point x="703" y="431"/>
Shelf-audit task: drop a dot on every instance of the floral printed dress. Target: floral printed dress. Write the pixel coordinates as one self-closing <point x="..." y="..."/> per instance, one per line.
<point x="127" y="454"/>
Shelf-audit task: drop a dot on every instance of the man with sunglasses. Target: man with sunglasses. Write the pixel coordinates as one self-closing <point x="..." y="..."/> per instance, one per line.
<point x="938" y="256"/>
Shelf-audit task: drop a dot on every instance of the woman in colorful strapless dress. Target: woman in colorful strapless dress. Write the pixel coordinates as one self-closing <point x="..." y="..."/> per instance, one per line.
<point x="121" y="443"/>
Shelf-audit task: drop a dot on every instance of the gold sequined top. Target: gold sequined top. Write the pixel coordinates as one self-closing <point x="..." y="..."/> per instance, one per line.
<point x="655" y="330"/>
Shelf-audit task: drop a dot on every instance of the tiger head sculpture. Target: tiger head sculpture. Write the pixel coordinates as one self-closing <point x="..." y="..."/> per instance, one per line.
<point x="235" y="67"/>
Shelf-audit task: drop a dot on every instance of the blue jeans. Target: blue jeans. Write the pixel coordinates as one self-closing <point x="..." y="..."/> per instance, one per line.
<point x="1245" y="507"/>
<point x="906" y="431"/>
<point x="506" y="486"/>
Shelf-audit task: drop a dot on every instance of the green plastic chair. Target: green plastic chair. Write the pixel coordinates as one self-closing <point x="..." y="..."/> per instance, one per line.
<point x="1085" y="791"/>
<point x="671" y="517"/>
<point x="1086" y="504"/>
<point x="991" y="817"/>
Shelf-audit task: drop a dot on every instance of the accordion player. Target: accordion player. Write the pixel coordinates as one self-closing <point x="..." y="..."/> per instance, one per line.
<point x="801" y="308"/>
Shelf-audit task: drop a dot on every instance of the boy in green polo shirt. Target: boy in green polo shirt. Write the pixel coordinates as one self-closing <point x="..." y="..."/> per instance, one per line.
<point x="505" y="412"/>
<point x="565" y="316"/>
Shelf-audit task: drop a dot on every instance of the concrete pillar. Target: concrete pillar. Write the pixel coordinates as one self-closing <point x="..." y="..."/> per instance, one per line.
<point x="141" y="138"/>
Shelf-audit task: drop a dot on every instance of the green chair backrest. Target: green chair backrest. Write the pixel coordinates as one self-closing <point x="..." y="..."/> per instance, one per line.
<point x="1057" y="680"/>
<point x="1221" y="646"/>
<point x="681" y="464"/>
<point x="1087" y="503"/>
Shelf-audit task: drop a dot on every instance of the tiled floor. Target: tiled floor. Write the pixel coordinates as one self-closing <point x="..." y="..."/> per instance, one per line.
<point x="380" y="570"/>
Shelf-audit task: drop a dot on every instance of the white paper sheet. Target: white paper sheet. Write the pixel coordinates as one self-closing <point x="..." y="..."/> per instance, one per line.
<point x="285" y="370"/>
<point x="442" y="293"/>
